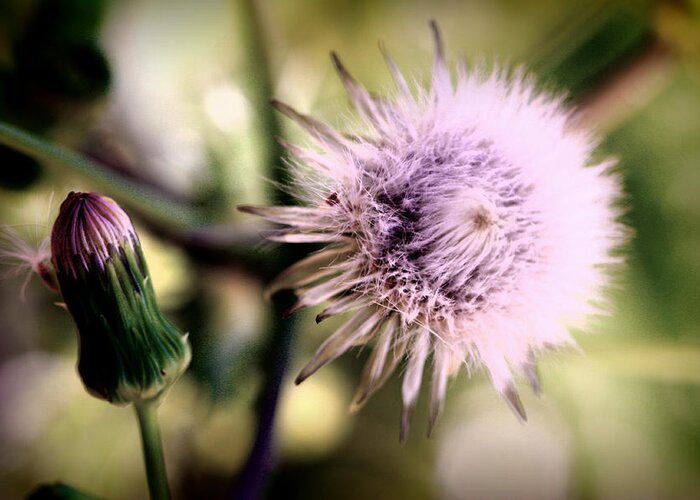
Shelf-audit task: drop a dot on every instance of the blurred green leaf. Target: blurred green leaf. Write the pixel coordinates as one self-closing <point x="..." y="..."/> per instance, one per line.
<point x="659" y="156"/>
<point x="59" y="491"/>
<point x="54" y="59"/>
<point x="607" y="39"/>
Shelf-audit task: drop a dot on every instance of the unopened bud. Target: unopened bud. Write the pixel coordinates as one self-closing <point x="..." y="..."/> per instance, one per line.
<point x="128" y="350"/>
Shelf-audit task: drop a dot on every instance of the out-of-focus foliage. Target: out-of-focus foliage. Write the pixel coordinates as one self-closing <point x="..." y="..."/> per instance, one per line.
<point x="620" y="421"/>
<point x="51" y="65"/>
<point x="58" y="491"/>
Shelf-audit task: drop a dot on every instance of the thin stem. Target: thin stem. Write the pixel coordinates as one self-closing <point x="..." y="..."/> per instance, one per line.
<point x="274" y="357"/>
<point x="150" y="202"/>
<point x="259" y="89"/>
<point x="146" y="411"/>
<point x="275" y="360"/>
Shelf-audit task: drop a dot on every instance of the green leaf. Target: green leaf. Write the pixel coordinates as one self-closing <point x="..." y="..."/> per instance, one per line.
<point x="59" y="491"/>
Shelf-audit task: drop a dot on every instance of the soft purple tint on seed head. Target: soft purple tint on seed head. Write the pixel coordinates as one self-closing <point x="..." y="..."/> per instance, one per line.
<point x="465" y="224"/>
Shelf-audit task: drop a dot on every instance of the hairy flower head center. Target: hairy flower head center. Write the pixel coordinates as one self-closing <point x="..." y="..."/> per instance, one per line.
<point x="454" y="229"/>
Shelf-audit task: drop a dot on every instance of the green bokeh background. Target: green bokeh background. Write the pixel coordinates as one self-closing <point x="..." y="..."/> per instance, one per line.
<point x="164" y="98"/>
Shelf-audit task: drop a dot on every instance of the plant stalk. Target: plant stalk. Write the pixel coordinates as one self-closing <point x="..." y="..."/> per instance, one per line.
<point x="259" y="90"/>
<point x="274" y="354"/>
<point x="149" y="201"/>
<point x="146" y="411"/>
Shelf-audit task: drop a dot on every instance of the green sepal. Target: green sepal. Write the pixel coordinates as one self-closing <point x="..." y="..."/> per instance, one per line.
<point x="128" y="350"/>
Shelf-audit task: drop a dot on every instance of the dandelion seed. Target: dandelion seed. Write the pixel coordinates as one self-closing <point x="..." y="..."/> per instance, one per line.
<point x="470" y="227"/>
<point x="20" y="258"/>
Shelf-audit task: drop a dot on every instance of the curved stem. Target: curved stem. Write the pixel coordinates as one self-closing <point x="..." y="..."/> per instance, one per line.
<point x="146" y="411"/>
<point x="149" y="201"/>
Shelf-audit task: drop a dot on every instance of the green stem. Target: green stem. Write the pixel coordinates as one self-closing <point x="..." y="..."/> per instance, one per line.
<point x="146" y="411"/>
<point x="150" y="202"/>
<point x="275" y="352"/>
<point x="259" y="90"/>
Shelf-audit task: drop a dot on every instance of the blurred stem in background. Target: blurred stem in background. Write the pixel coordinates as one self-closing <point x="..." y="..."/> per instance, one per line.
<point x="148" y="201"/>
<point x="250" y="483"/>
<point x="259" y="90"/>
<point x="274" y="354"/>
<point x="178" y="221"/>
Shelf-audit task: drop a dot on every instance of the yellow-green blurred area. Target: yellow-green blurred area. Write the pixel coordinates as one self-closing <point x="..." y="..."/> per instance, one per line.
<point x="161" y="91"/>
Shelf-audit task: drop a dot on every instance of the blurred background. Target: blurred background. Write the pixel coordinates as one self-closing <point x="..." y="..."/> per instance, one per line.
<point x="166" y="94"/>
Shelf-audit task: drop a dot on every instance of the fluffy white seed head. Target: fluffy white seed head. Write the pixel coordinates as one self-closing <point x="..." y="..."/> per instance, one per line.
<point x="470" y="226"/>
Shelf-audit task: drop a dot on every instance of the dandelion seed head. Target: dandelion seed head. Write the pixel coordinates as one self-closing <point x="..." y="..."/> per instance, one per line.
<point x="470" y="226"/>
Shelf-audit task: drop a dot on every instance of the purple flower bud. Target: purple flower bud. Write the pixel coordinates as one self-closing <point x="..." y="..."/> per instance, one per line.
<point x="128" y="350"/>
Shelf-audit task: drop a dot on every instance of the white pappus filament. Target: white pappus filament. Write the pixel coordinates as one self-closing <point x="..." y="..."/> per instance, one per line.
<point x="469" y="226"/>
